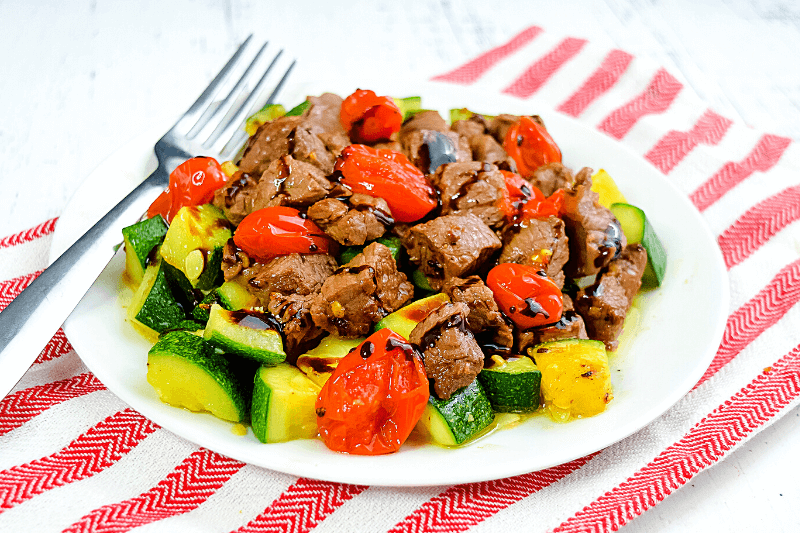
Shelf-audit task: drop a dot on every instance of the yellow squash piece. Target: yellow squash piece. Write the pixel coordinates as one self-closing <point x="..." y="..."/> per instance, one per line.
<point x="604" y="185"/>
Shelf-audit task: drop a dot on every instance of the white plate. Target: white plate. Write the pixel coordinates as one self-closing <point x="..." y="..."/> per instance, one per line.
<point x="663" y="355"/>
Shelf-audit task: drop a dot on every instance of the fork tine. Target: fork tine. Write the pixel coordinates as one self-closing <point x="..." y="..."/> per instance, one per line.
<point x="223" y="138"/>
<point x="210" y="121"/>
<point x="199" y="107"/>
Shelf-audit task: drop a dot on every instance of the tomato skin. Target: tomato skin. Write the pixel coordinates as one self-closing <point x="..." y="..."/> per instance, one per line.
<point x="192" y="183"/>
<point x="541" y="207"/>
<point x="369" y="118"/>
<point x="279" y="230"/>
<point x="531" y="146"/>
<point x="516" y="193"/>
<point x="525" y="294"/>
<point x="389" y="175"/>
<point x="370" y="404"/>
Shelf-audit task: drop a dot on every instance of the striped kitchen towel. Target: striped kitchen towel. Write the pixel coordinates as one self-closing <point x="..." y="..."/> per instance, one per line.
<point x="73" y="457"/>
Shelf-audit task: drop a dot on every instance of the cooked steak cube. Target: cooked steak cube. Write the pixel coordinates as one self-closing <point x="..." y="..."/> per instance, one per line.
<point x="595" y="237"/>
<point x="354" y="221"/>
<point x="301" y="274"/>
<point x="472" y="187"/>
<point x="538" y="241"/>
<point x="551" y="177"/>
<point x="267" y="144"/>
<point x="498" y="126"/>
<point x="424" y="120"/>
<point x="483" y="146"/>
<point x="322" y="119"/>
<point x="604" y="304"/>
<point x="452" y="357"/>
<point x="235" y="198"/>
<point x="300" y="334"/>
<point x="451" y="245"/>
<point x="484" y="320"/>
<point x="571" y="326"/>
<point x="360" y="293"/>
<point x="288" y="181"/>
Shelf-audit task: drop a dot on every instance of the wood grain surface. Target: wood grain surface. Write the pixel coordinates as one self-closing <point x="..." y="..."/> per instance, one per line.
<point x="80" y="78"/>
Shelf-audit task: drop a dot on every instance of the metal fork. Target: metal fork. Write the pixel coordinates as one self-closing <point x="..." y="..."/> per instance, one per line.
<point x="207" y="127"/>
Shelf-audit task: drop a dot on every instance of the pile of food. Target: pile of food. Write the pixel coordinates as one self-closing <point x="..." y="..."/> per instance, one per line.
<point x="367" y="268"/>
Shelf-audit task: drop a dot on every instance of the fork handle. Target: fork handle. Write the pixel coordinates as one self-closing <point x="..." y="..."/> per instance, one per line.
<point x="31" y="319"/>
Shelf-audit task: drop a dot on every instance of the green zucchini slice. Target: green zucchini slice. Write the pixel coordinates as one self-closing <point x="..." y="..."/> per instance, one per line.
<point x="194" y="243"/>
<point x="251" y="334"/>
<point x="283" y="404"/>
<point x="187" y="372"/>
<point x="409" y="105"/>
<point x="458" y="419"/>
<point x="320" y="362"/>
<point x="141" y="240"/>
<point x="512" y="385"/>
<point x="637" y="229"/>
<point x="159" y="304"/>
<point x="406" y="319"/>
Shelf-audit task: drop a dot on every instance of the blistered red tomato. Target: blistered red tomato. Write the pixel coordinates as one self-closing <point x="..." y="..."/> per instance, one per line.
<point x="531" y="146"/>
<point x="540" y="207"/>
<point x="389" y="175"/>
<point x="279" y="230"/>
<point x="374" y="398"/>
<point x="192" y="183"/>
<point x="369" y="118"/>
<point x="517" y="191"/>
<point x="525" y="294"/>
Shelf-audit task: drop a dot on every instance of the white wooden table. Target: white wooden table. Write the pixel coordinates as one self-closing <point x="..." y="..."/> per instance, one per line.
<point x="79" y="78"/>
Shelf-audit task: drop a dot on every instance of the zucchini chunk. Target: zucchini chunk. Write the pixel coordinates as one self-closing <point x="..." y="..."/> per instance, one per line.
<point x="319" y="363"/>
<point x="458" y="419"/>
<point x="141" y="242"/>
<point x="187" y="372"/>
<point x="576" y="379"/>
<point x="233" y="295"/>
<point x="194" y="242"/>
<point x="409" y="105"/>
<point x="159" y="303"/>
<point x="268" y="113"/>
<point x="251" y="334"/>
<point x="283" y="404"/>
<point x="512" y="385"/>
<point x="637" y="229"/>
<point x="406" y="318"/>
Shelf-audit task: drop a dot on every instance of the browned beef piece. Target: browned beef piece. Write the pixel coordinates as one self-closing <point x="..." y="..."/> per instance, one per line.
<point x="484" y="320"/>
<point x="301" y="274"/>
<point x="472" y="187"/>
<point x="300" y="334"/>
<point x="234" y="260"/>
<point x="498" y="126"/>
<point x="551" y="177"/>
<point x="429" y="149"/>
<point x="604" y="305"/>
<point x="571" y="326"/>
<point x="354" y="221"/>
<point x="360" y="293"/>
<point x="235" y="199"/>
<point x="483" y="146"/>
<point x="424" y="120"/>
<point x="322" y="119"/>
<point x="450" y="246"/>
<point x="288" y="181"/>
<point x="595" y="237"/>
<point x="452" y="357"/>
<point x="267" y="144"/>
<point x="535" y="239"/>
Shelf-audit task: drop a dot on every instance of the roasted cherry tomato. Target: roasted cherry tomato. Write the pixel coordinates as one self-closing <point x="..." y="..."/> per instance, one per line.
<point x="540" y="207"/>
<point x="529" y="144"/>
<point x="389" y="175"/>
<point x="279" y="230"/>
<point x="525" y="294"/>
<point x="192" y="183"/>
<point x="374" y="398"/>
<point x="517" y="191"/>
<point x="369" y="118"/>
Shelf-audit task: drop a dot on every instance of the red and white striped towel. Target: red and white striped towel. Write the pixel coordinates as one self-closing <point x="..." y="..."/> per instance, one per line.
<point x="73" y="457"/>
